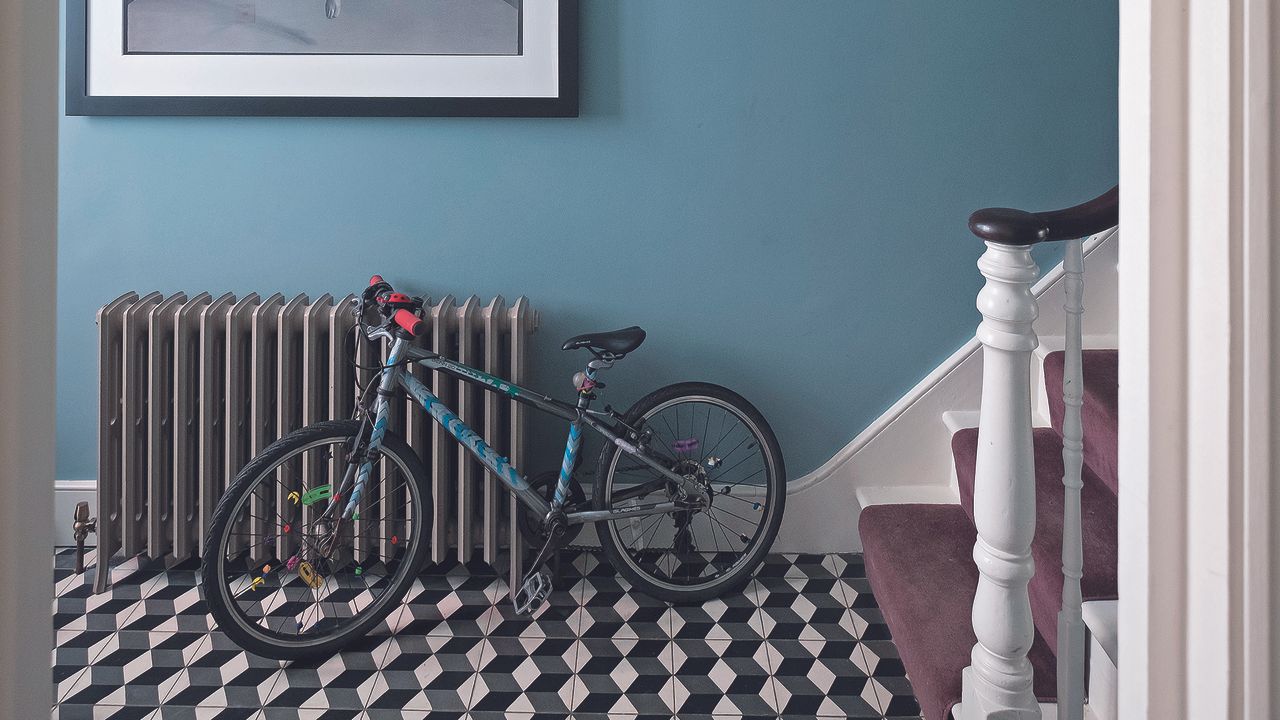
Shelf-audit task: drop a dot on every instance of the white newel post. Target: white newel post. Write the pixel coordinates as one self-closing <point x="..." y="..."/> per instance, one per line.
<point x="1071" y="636"/>
<point x="998" y="682"/>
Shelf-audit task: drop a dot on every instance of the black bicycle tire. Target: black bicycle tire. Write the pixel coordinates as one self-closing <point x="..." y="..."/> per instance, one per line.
<point x="244" y="482"/>
<point x="740" y="576"/>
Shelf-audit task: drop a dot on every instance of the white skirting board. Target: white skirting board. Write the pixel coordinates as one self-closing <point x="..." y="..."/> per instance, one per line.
<point x="66" y="493"/>
<point x="904" y="456"/>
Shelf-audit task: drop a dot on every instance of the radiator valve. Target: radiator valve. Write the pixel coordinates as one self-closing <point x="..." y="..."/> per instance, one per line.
<point x="81" y="527"/>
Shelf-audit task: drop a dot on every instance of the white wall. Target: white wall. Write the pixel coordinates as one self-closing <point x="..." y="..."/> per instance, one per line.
<point x="28" y="224"/>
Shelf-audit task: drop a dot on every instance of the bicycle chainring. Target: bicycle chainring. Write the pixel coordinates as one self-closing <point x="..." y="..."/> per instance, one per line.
<point x="545" y="484"/>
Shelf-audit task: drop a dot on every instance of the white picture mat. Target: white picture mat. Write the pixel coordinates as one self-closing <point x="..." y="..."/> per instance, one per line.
<point x="535" y="73"/>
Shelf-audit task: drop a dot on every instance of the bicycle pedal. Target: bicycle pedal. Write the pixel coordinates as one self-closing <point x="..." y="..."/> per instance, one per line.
<point x="532" y="593"/>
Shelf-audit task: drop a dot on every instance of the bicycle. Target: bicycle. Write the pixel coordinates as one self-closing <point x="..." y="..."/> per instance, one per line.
<point x="321" y="535"/>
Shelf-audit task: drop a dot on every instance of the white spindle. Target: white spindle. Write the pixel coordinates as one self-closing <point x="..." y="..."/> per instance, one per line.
<point x="998" y="682"/>
<point x="1071" y="636"/>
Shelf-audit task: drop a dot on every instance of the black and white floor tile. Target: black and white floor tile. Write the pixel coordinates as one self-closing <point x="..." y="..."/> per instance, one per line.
<point x="803" y="639"/>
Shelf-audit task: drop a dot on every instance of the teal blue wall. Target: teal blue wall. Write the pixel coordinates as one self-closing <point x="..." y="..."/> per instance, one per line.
<point x="776" y="191"/>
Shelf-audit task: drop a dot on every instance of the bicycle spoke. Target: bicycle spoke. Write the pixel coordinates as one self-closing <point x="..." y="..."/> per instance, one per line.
<point x="348" y="565"/>
<point x="704" y="545"/>
<point x="727" y="512"/>
<point x="728" y="496"/>
<point x="735" y="484"/>
<point x="728" y="529"/>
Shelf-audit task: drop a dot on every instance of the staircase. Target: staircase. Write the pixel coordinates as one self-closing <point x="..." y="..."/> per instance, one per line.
<point x="920" y="558"/>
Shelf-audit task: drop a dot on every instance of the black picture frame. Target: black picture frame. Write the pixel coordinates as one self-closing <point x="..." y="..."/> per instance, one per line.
<point x="80" y="102"/>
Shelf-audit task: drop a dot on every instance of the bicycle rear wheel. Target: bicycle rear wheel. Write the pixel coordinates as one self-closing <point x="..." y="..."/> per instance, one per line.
<point x="283" y="576"/>
<point x="711" y="435"/>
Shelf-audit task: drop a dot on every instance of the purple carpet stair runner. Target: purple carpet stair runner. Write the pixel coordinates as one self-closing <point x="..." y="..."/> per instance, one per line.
<point x="919" y="557"/>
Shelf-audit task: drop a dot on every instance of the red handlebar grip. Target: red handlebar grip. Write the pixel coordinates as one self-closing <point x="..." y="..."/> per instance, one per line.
<point x="375" y="280"/>
<point x="411" y="323"/>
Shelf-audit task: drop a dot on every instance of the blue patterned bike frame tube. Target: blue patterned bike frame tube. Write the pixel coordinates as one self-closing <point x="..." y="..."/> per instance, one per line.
<point x="470" y="439"/>
<point x="386" y="388"/>
<point x="394" y="375"/>
<point x="566" y="467"/>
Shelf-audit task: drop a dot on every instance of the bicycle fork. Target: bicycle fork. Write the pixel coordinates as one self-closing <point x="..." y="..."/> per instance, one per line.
<point x="359" y="465"/>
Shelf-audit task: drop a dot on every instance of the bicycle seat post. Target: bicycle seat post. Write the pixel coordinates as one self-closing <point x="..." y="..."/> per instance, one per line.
<point x="588" y="381"/>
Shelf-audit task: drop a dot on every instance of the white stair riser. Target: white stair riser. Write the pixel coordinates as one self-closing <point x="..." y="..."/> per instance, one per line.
<point x="1100" y="617"/>
<point x="1103" y="684"/>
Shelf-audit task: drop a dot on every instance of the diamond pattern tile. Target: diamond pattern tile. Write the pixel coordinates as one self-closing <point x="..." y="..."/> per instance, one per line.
<point x="732" y="617"/>
<point x="804" y="638"/>
<point x="820" y="678"/>
<point x="424" y="674"/>
<point x="722" y="677"/>
<point x="804" y="608"/>
<point x="622" y="676"/>
<point x="525" y="674"/>
<point x="610" y="609"/>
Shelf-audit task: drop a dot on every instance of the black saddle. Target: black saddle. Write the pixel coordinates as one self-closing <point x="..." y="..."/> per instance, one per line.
<point x="616" y="343"/>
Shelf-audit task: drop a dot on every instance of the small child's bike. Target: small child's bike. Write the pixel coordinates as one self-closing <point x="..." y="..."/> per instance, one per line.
<point x="321" y="535"/>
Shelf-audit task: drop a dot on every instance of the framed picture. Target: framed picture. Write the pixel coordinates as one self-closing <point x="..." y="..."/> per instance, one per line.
<point x="323" y="57"/>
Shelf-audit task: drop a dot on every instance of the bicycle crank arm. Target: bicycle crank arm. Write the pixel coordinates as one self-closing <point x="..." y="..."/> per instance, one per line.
<point x="536" y="586"/>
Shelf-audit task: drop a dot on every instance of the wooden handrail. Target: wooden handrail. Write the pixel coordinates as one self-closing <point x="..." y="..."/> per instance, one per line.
<point x="1007" y="226"/>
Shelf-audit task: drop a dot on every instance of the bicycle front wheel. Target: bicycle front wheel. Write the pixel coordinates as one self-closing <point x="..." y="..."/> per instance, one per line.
<point x="713" y="436"/>
<point x="283" y="574"/>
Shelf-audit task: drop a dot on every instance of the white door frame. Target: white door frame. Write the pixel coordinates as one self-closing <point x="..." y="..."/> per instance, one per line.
<point x="1196" y="130"/>
<point x="28" y="227"/>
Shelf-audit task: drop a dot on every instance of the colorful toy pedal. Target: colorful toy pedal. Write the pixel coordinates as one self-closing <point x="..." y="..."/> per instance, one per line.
<point x="309" y="575"/>
<point x="689" y="445"/>
<point x="317" y="494"/>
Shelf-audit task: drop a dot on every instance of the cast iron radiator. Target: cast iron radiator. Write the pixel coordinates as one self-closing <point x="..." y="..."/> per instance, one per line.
<point x="192" y="387"/>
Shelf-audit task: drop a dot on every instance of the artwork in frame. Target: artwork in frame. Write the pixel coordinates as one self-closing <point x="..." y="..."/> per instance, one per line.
<point x="506" y="58"/>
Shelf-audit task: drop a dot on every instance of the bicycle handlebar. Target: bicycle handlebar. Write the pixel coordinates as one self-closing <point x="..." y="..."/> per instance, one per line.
<point x="408" y="321"/>
<point x="396" y="307"/>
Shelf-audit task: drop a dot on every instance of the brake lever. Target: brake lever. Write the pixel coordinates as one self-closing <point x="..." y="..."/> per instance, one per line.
<point x="358" y="308"/>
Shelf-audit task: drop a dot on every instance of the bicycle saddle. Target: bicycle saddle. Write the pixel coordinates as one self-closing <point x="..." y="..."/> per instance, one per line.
<point x="615" y="342"/>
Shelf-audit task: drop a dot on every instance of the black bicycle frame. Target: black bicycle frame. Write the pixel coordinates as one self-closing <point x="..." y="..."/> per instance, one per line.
<point x="395" y="377"/>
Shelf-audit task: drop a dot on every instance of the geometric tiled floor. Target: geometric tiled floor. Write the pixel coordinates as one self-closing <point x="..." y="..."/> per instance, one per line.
<point x="803" y="639"/>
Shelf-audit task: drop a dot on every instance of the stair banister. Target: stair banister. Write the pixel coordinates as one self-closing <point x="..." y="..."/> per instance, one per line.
<point x="998" y="683"/>
<point x="1071" y="639"/>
